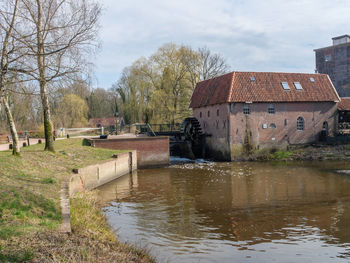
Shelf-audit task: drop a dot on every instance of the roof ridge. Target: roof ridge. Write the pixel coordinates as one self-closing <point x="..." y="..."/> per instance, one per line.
<point x="335" y="91"/>
<point x="280" y="72"/>
<point x="231" y="86"/>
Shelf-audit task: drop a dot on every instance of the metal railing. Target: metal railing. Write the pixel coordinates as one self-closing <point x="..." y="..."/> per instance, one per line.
<point x="344" y="128"/>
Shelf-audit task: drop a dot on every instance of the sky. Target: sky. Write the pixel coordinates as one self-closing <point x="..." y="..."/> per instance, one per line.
<point x="252" y="35"/>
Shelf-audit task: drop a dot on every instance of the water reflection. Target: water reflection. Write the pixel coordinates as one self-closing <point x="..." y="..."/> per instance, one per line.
<point x="249" y="212"/>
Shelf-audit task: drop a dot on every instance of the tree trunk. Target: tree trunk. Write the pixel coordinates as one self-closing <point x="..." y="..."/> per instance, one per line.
<point x="49" y="143"/>
<point x="48" y="127"/>
<point x="16" y="147"/>
<point x="4" y="67"/>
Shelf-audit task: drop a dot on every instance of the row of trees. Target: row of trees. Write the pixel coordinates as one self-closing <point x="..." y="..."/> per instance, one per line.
<point x="44" y="71"/>
<point x="42" y="43"/>
<point x="158" y="89"/>
<point x="72" y="104"/>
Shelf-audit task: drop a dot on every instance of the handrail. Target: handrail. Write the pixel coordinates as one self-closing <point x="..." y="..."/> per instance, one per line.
<point x="151" y="129"/>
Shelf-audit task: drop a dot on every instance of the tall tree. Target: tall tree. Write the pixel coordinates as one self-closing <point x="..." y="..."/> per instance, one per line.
<point x="211" y="65"/>
<point x="8" y="18"/>
<point x="57" y="35"/>
<point x="158" y="89"/>
<point x="72" y="112"/>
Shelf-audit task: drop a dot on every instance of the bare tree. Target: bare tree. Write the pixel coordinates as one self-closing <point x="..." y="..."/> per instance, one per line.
<point x="56" y="34"/>
<point x="8" y="15"/>
<point x="212" y="65"/>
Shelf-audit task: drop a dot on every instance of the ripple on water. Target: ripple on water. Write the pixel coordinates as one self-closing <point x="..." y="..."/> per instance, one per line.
<point x="214" y="212"/>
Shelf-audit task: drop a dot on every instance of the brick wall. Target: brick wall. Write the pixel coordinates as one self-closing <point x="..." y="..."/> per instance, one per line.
<point x="267" y="130"/>
<point x="151" y="151"/>
<point x="214" y="120"/>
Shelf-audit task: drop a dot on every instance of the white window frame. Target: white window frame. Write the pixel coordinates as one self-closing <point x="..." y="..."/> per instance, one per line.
<point x="297" y="85"/>
<point x="300" y="124"/>
<point x="285" y="85"/>
<point x="246" y="109"/>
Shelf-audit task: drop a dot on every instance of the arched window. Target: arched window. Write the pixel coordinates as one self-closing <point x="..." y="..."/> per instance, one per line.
<point x="273" y="126"/>
<point x="300" y="123"/>
<point x="325" y="126"/>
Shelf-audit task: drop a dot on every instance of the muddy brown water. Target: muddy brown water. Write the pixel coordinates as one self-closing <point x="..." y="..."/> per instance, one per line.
<point x="234" y="212"/>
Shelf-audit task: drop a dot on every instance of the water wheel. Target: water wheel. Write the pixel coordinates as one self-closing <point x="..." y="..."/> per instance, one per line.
<point x="193" y="133"/>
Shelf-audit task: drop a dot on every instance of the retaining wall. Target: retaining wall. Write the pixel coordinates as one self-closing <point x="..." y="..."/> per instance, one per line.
<point x="151" y="151"/>
<point x="93" y="176"/>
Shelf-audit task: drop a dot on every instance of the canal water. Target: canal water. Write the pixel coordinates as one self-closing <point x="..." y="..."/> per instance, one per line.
<point x="234" y="212"/>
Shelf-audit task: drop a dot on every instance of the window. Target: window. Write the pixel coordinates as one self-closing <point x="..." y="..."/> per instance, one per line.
<point x="208" y="113"/>
<point x="285" y="122"/>
<point x="217" y="124"/>
<point x="252" y="78"/>
<point x="232" y="107"/>
<point x="325" y="126"/>
<point x="217" y="112"/>
<point x="200" y="115"/>
<point x="273" y="126"/>
<point x="300" y="124"/>
<point x="246" y="109"/>
<point x="327" y="58"/>
<point x="285" y="85"/>
<point x="271" y="109"/>
<point x="298" y="86"/>
<point x="312" y="79"/>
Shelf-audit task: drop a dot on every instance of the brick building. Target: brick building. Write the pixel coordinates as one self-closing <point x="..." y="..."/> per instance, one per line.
<point x="269" y="109"/>
<point x="335" y="61"/>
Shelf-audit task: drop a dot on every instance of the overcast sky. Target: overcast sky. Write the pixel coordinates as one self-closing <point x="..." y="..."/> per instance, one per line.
<point x="253" y="35"/>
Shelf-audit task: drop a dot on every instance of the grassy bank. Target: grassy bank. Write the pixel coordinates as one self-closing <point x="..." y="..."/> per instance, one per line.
<point x="30" y="213"/>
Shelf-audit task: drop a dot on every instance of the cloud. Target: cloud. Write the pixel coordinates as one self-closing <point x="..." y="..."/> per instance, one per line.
<point x="253" y="35"/>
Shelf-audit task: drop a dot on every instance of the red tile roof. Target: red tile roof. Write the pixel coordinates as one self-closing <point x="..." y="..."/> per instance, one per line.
<point x="267" y="87"/>
<point x="344" y="104"/>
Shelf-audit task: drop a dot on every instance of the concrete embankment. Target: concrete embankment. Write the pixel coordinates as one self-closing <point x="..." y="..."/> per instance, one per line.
<point x="93" y="176"/>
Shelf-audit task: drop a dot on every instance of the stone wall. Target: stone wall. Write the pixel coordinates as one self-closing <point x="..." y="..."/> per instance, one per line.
<point x="151" y="151"/>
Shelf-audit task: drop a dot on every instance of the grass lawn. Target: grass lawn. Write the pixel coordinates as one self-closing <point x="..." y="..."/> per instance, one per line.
<point x="30" y="211"/>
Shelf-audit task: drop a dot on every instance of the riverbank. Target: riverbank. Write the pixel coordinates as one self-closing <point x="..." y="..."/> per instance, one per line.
<point x="30" y="213"/>
<point x="320" y="152"/>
